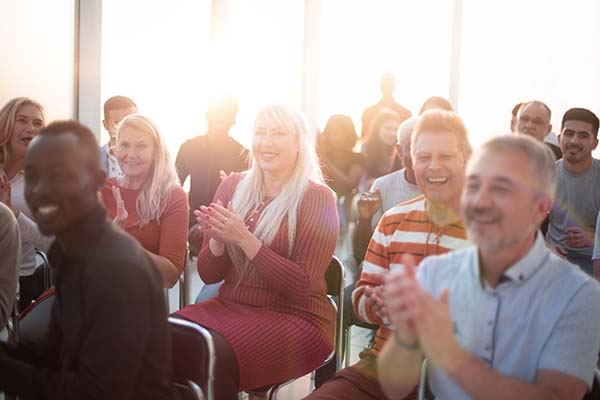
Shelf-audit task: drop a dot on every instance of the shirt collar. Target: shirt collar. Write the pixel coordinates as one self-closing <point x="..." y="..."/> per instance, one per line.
<point x="523" y="269"/>
<point x="528" y="265"/>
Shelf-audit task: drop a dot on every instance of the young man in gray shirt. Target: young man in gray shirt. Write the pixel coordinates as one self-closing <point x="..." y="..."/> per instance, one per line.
<point x="573" y="215"/>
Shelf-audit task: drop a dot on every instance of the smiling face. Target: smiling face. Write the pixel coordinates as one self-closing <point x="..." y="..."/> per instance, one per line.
<point x="533" y="119"/>
<point x="135" y="152"/>
<point x="60" y="187"/>
<point x="439" y="166"/>
<point x="275" y="149"/>
<point x="28" y="121"/>
<point x="499" y="204"/>
<point x="577" y="141"/>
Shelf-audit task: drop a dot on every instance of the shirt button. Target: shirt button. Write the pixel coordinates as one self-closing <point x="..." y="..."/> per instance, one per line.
<point x="487" y="348"/>
<point x="490" y="323"/>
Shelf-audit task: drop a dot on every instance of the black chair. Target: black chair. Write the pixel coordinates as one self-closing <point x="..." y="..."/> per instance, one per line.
<point x="193" y="354"/>
<point x="42" y="262"/>
<point x="335" y="276"/>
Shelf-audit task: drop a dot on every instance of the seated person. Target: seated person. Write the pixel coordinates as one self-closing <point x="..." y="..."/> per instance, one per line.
<point x="269" y="234"/>
<point x="423" y="226"/>
<point x="386" y="192"/>
<point x="108" y="334"/>
<point x="506" y="318"/>
<point x="146" y="201"/>
<point x="10" y="248"/>
<point x="20" y="120"/>
<point x="572" y="220"/>
<point x="379" y="149"/>
<point x="343" y="168"/>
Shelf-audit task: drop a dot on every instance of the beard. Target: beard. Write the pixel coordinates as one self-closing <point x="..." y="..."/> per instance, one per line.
<point x="496" y="242"/>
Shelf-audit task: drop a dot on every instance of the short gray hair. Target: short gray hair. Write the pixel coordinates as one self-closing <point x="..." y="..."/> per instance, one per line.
<point x="405" y="130"/>
<point x="542" y="163"/>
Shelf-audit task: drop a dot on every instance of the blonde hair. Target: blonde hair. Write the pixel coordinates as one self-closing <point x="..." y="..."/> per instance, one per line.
<point x="7" y="121"/>
<point x="154" y="194"/>
<point x="250" y="190"/>
<point x="438" y="121"/>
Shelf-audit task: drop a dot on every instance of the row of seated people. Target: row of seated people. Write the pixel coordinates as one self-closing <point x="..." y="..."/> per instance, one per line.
<point x="274" y="275"/>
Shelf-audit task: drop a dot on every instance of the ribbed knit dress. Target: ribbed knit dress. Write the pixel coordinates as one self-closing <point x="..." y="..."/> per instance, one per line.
<point x="278" y="319"/>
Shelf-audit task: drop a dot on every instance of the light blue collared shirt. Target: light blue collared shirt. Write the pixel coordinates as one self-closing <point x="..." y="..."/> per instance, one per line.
<point x="544" y="314"/>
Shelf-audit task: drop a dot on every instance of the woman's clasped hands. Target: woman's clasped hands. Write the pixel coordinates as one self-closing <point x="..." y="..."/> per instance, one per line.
<point x="222" y="224"/>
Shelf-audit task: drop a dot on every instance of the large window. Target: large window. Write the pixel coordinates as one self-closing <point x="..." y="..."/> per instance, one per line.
<point x="521" y="50"/>
<point x="157" y="53"/>
<point x="37" y="54"/>
<point x="264" y="57"/>
<point x="161" y="55"/>
<point x="360" y="40"/>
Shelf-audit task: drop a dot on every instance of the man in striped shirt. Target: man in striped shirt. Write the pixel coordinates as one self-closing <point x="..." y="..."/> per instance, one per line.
<point x="424" y="226"/>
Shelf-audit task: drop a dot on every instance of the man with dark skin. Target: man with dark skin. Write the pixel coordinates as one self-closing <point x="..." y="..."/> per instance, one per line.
<point x="108" y="334"/>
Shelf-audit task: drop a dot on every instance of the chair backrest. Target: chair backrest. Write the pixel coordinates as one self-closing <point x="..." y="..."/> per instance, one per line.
<point x="42" y="262"/>
<point x="193" y="354"/>
<point x="35" y="319"/>
<point x="335" y="276"/>
<point x="188" y="391"/>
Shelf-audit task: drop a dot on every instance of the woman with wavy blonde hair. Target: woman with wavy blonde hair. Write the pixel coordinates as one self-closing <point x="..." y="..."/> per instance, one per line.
<point x="20" y="120"/>
<point x="147" y="201"/>
<point x="269" y="234"/>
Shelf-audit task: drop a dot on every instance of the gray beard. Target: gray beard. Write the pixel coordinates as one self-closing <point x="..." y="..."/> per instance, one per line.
<point x="499" y="244"/>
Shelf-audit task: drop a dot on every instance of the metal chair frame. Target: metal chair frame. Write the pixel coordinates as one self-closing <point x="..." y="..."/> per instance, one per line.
<point x="208" y="394"/>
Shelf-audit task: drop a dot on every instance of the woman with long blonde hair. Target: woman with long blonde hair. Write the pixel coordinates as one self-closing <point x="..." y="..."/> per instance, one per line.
<point x="147" y="201"/>
<point x="270" y="234"/>
<point x="20" y="120"/>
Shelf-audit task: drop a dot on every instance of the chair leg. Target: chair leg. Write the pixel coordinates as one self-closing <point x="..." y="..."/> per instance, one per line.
<point x="347" y="355"/>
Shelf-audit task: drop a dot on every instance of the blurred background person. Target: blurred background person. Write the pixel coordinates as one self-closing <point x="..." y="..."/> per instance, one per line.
<point x="147" y="200"/>
<point x="436" y="103"/>
<point x="115" y="109"/>
<point x="344" y="169"/>
<point x="204" y="157"/>
<point x="387" y="103"/>
<point x="10" y="248"/>
<point x="379" y="147"/>
<point x="20" y="120"/>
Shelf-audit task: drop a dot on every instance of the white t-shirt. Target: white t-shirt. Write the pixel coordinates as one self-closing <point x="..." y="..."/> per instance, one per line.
<point x="394" y="190"/>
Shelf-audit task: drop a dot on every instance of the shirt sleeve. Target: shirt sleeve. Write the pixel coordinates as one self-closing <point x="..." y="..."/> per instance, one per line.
<point x="596" y="253"/>
<point x="174" y="228"/>
<point x="316" y="237"/>
<point x="573" y="345"/>
<point x="377" y="216"/>
<point x="377" y="261"/>
<point x="10" y="248"/>
<point x="212" y="269"/>
<point x="30" y="233"/>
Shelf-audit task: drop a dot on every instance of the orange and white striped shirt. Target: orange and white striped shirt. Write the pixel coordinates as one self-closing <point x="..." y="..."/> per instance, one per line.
<point x="404" y="229"/>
